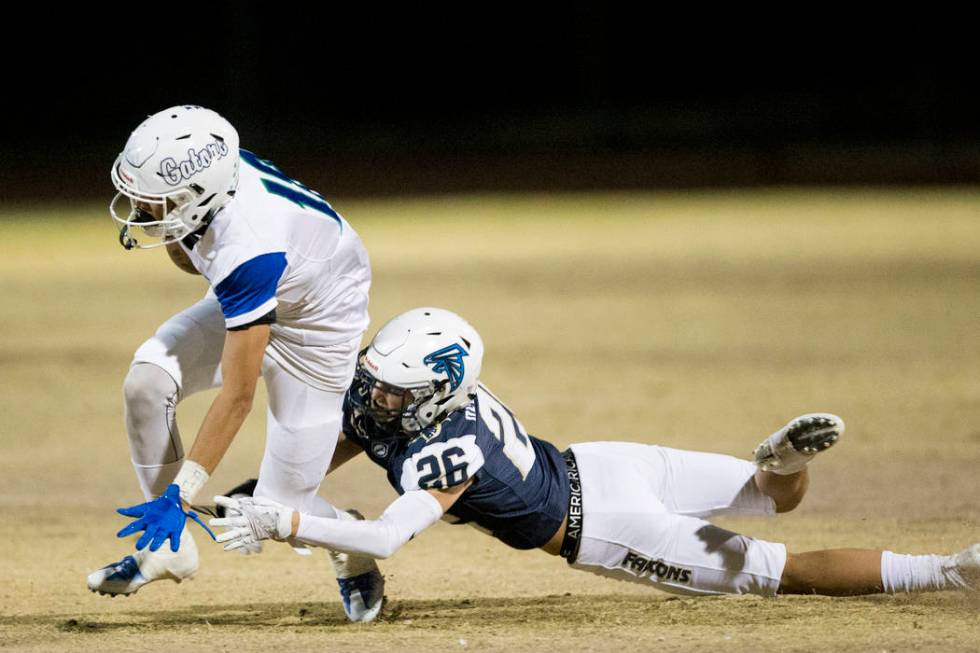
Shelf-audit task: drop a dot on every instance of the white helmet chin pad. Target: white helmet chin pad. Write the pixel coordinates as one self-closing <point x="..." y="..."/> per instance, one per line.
<point x="431" y="351"/>
<point x="178" y="167"/>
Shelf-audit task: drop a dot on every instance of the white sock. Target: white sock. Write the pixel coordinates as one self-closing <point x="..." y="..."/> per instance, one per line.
<point x="791" y="461"/>
<point x="919" y="573"/>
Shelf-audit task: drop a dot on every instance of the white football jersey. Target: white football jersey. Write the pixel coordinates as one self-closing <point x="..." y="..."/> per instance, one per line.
<point x="279" y="245"/>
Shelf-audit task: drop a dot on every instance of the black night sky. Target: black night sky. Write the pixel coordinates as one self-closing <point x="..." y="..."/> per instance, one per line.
<point x="374" y="100"/>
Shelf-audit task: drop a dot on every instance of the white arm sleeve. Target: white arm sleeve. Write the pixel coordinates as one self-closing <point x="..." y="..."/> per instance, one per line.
<point x="409" y="514"/>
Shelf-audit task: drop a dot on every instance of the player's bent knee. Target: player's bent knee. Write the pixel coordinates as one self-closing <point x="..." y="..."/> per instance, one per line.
<point x="147" y="384"/>
<point x="148" y="393"/>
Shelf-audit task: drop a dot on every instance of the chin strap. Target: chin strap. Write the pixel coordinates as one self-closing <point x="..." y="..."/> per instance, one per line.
<point x="127" y="241"/>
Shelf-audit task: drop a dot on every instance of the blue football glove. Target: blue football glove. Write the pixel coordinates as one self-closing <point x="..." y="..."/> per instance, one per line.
<point x="161" y="519"/>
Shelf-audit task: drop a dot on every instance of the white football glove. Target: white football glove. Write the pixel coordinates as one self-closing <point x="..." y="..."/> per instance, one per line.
<point x="254" y="548"/>
<point x="257" y="519"/>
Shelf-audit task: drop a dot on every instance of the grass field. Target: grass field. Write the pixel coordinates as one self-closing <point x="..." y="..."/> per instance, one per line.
<point x="701" y="321"/>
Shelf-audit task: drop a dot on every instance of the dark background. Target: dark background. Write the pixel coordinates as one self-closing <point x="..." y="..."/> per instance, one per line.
<point x="374" y="100"/>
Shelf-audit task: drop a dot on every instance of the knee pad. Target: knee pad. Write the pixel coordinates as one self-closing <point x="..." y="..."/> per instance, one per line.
<point x="150" y="398"/>
<point x="146" y="385"/>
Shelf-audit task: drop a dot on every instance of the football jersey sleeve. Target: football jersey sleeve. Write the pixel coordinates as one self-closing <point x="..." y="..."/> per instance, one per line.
<point x="249" y="292"/>
<point x="442" y="464"/>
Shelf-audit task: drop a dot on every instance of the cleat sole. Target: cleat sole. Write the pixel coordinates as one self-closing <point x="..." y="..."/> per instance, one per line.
<point x="788" y="450"/>
<point x="812" y="434"/>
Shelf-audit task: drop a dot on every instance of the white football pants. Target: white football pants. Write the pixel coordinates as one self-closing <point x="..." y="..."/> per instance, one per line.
<point x="643" y="520"/>
<point x="184" y="357"/>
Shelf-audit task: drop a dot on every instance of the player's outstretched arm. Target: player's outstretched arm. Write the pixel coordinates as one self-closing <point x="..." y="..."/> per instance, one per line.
<point x="409" y="514"/>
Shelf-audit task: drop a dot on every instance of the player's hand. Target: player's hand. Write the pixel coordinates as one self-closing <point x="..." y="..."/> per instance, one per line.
<point x="257" y="519"/>
<point x="160" y="520"/>
<point x="247" y="549"/>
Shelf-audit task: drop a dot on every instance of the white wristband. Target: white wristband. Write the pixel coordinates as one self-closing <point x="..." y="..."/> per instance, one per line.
<point x="190" y="479"/>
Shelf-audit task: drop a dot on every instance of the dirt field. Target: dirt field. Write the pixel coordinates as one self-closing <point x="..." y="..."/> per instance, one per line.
<point x="692" y="320"/>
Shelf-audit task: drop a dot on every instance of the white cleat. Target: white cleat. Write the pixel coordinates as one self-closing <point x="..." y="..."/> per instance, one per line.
<point x="791" y="448"/>
<point x="362" y="587"/>
<point x="968" y="566"/>
<point x="142" y="567"/>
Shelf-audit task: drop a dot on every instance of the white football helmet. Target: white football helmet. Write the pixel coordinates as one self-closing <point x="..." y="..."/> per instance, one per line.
<point x="178" y="168"/>
<point x="429" y="356"/>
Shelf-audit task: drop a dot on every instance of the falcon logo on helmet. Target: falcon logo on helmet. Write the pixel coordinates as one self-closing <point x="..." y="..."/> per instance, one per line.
<point x="421" y="366"/>
<point x="448" y="361"/>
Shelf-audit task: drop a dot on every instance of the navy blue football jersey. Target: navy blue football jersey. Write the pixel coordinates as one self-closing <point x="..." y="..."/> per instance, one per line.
<point x="520" y="492"/>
